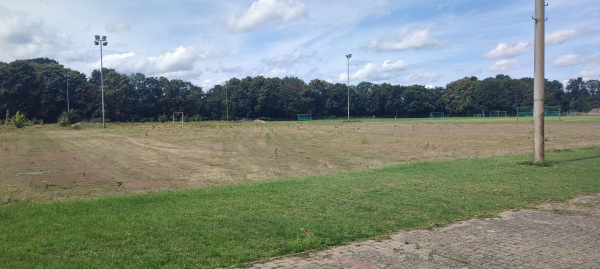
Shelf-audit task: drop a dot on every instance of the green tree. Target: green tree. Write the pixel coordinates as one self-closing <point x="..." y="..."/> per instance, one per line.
<point x="459" y="97"/>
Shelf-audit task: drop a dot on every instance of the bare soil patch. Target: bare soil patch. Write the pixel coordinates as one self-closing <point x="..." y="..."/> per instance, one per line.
<point x="40" y="164"/>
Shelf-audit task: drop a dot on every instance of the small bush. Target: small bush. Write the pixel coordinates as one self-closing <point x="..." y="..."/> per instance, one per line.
<point x="150" y="119"/>
<point x="64" y="120"/>
<point x="19" y="120"/>
<point x="194" y="118"/>
<point x="35" y="121"/>
<point x="163" y="118"/>
<point x="67" y="118"/>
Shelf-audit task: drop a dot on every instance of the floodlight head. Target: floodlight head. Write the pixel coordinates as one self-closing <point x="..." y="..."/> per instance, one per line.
<point x="96" y="42"/>
<point x="97" y="37"/>
<point x="104" y="43"/>
<point x="348" y="56"/>
<point x="103" y="38"/>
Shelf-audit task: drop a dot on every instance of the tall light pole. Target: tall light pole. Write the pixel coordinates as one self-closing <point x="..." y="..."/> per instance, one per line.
<point x="348" y="57"/>
<point x="101" y="42"/>
<point x="68" y="108"/>
<point x="538" y="83"/>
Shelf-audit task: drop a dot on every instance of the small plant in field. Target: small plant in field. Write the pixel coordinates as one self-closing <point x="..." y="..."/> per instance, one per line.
<point x="364" y="140"/>
<point x="431" y="254"/>
<point x="14" y="189"/>
<point x="47" y="184"/>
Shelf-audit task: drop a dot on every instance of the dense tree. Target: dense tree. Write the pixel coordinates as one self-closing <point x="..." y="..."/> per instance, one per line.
<point x="460" y="96"/>
<point x="37" y="88"/>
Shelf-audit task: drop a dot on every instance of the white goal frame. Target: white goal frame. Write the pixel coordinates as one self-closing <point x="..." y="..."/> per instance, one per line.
<point x="175" y="113"/>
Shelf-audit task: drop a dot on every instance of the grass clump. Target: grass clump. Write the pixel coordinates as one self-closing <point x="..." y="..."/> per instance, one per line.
<point x="233" y="225"/>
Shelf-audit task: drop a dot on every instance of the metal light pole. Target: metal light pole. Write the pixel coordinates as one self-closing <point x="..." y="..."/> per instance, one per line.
<point x="101" y="42"/>
<point x="348" y="57"/>
<point x="538" y="83"/>
<point x="68" y="108"/>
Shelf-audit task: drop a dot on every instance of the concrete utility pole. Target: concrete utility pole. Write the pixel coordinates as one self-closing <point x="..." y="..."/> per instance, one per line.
<point x="538" y="83"/>
<point x="348" y="57"/>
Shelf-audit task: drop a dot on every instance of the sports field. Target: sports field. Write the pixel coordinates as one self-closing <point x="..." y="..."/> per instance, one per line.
<point x="42" y="163"/>
<point x="284" y="187"/>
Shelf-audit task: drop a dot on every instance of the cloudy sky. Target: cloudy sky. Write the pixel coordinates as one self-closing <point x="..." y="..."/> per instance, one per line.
<point x="427" y="42"/>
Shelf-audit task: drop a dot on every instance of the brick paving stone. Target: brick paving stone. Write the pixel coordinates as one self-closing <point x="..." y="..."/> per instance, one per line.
<point x="550" y="236"/>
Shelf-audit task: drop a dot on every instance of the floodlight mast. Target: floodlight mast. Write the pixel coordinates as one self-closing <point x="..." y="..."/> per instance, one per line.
<point x="348" y="57"/>
<point x="101" y="42"/>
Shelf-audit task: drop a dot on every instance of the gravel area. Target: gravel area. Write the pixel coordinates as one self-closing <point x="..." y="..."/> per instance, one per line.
<point x="550" y="236"/>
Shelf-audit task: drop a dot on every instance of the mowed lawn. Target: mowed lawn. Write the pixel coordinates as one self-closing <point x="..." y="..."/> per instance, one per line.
<point x="246" y="221"/>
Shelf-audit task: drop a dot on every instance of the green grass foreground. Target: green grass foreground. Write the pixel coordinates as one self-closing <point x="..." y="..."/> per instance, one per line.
<point x="233" y="225"/>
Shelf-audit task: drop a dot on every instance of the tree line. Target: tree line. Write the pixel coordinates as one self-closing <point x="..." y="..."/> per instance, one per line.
<point x="37" y="88"/>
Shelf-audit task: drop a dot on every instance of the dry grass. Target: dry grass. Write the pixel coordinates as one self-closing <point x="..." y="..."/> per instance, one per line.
<point x="49" y="163"/>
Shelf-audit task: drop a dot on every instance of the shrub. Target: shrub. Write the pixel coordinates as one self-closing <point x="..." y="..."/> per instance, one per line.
<point x="64" y="120"/>
<point x="67" y="118"/>
<point x="194" y="118"/>
<point x="163" y="118"/>
<point x="36" y="121"/>
<point x="19" y="120"/>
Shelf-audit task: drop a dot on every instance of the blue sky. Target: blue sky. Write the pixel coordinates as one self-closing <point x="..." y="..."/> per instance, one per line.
<point x="426" y="42"/>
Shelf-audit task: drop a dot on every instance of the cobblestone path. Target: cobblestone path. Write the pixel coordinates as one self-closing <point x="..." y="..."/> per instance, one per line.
<point x="551" y="236"/>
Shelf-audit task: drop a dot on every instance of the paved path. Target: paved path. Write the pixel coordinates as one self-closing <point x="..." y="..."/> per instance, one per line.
<point x="552" y="236"/>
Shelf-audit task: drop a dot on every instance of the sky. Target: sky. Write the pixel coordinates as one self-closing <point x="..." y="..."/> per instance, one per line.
<point x="401" y="42"/>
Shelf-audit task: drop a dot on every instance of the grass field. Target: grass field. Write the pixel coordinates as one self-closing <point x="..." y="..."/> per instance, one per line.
<point x="282" y="187"/>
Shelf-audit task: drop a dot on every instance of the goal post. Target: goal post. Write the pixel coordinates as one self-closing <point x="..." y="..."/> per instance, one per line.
<point x="304" y="117"/>
<point x="178" y="113"/>
<point x="436" y="115"/>
<point x="493" y="113"/>
<point x="549" y="111"/>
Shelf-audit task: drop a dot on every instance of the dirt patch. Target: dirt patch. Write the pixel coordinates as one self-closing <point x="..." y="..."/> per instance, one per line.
<point x="594" y="112"/>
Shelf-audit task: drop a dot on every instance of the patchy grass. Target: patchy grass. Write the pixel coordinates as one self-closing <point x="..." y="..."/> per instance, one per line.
<point x="240" y="223"/>
<point x="141" y="158"/>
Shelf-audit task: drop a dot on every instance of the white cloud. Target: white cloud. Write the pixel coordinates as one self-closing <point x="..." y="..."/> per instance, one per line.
<point x="290" y="59"/>
<point x="389" y="65"/>
<point x="559" y="37"/>
<point x="590" y="73"/>
<point x="180" y="59"/>
<point x="16" y="27"/>
<point x="262" y="11"/>
<point x="373" y="72"/>
<point x="405" y="39"/>
<point x="566" y="60"/>
<point x="503" y="65"/>
<point x="504" y="50"/>
<point x="424" y="78"/>
<point x="179" y="63"/>
<point x="22" y="37"/>
<point x="118" y="27"/>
